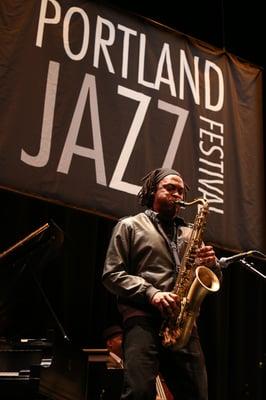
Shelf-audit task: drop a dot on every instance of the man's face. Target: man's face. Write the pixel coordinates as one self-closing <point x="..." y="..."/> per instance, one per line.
<point x="170" y="189"/>
<point x="114" y="344"/>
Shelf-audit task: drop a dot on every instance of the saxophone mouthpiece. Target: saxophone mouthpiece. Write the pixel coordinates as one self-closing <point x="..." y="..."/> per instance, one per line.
<point x="180" y="203"/>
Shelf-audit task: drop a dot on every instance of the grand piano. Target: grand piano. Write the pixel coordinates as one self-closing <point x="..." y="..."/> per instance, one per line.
<point x="37" y="363"/>
<point x="25" y="346"/>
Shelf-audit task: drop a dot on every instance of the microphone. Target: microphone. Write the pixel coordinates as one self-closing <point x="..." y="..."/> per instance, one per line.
<point x="225" y="261"/>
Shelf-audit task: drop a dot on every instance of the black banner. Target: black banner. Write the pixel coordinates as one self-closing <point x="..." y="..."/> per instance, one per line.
<point x="92" y="99"/>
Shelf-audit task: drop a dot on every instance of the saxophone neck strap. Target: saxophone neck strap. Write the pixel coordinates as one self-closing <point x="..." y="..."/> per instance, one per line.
<point x="171" y="239"/>
<point x="175" y="254"/>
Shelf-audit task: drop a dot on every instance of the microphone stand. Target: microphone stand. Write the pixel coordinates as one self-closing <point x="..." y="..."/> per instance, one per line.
<point x="250" y="266"/>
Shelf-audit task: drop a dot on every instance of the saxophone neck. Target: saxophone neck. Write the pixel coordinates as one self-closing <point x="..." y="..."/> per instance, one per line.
<point x="185" y="204"/>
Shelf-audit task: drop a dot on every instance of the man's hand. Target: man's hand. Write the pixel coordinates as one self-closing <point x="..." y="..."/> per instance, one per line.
<point x="206" y="256"/>
<point x="166" y="302"/>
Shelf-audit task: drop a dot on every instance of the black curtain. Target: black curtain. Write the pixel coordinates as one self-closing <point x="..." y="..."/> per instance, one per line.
<point x="231" y="324"/>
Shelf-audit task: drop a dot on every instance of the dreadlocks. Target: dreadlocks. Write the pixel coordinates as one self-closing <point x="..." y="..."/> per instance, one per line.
<point x="151" y="180"/>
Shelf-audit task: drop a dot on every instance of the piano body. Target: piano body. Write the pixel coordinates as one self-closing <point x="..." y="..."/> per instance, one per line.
<point x="20" y="365"/>
<point x="81" y="375"/>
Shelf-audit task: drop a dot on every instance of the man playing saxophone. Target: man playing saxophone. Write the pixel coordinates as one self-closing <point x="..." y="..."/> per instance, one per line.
<point x="142" y="267"/>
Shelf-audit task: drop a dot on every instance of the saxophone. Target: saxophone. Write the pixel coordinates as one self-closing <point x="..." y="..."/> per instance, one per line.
<point x="192" y="284"/>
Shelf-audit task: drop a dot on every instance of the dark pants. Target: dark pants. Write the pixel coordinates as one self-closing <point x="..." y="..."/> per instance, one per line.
<point x="184" y="371"/>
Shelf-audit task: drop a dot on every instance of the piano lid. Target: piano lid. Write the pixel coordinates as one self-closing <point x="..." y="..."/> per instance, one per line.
<point x="21" y="269"/>
<point x="49" y="233"/>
